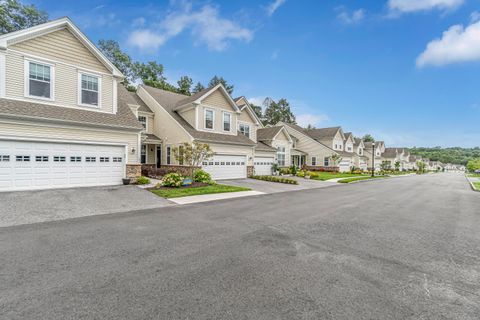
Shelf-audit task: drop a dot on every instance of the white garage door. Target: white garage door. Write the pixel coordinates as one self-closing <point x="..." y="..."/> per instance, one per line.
<point x="40" y="165"/>
<point x="226" y="167"/>
<point x="263" y="166"/>
<point x="344" y="165"/>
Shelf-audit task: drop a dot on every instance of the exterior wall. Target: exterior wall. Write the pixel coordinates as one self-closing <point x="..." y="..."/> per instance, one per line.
<point x="165" y="127"/>
<point x="282" y="140"/>
<point x="310" y="146"/>
<point x="218" y="119"/>
<point x="72" y="133"/>
<point x="150" y="124"/>
<point x="217" y="99"/>
<point x="189" y="116"/>
<point x="349" y="145"/>
<point x="265" y="154"/>
<point x="246" y="118"/>
<point x="68" y="56"/>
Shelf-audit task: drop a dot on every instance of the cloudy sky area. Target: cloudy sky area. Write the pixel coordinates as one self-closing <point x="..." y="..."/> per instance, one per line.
<point x="406" y="71"/>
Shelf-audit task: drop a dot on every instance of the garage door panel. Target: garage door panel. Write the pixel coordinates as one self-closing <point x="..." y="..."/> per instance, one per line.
<point x="226" y="167"/>
<point x="70" y="169"/>
<point x="263" y="165"/>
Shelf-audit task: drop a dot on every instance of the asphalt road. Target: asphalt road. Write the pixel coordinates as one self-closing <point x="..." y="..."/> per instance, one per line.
<point x="406" y="248"/>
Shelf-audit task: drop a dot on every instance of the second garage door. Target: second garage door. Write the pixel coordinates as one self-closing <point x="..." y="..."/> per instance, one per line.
<point x="226" y="167"/>
<point x="263" y="165"/>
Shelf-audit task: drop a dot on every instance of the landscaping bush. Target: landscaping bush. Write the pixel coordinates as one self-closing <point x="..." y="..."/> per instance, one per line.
<point x="284" y="171"/>
<point x="143" y="180"/>
<point x="202" y="176"/>
<point x="276" y="179"/>
<point x="172" y="180"/>
<point x="301" y="174"/>
<point x="293" y="169"/>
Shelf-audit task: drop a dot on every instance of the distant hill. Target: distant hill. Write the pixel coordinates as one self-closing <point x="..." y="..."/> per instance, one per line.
<point x="454" y="155"/>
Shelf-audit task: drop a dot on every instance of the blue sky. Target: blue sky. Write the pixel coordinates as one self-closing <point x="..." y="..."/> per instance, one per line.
<point x="406" y="71"/>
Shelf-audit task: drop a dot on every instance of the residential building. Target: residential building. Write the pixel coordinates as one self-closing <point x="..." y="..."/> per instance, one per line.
<point x="278" y="139"/>
<point x="62" y="121"/>
<point x="360" y="158"/>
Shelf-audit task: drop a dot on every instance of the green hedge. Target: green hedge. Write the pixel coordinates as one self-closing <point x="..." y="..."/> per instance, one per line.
<point x="276" y="179"/>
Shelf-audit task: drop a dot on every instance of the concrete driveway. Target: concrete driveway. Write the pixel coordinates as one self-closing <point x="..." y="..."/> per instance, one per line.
<point x="47" y="205"/>
<point x="275" y="187"/>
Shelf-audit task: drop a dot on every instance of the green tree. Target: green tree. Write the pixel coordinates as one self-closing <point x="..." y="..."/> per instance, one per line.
<point x="184" y="85"/>
<point x="336" y="158"/>
<point x="216" y="80"/>
<point x="397" y="165"/>
<point x="16" y="16"/>
<point x="121" y="60"/>
<point x="421" y="166"/>
<point x="192" y="154"/>
<point x="257" y="109"/>
<point x="149" y="72"/>
<point x="368" y="138"/>
<point x="385" y="165"/>
<point x="198" y="87"/>
<point x="278" y="111"/>
<point x="473" y="165"/>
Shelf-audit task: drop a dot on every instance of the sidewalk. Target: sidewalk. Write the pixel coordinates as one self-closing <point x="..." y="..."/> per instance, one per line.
<point x="214" y="197"/>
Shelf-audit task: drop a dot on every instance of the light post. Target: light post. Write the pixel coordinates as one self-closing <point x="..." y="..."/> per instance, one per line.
<point x="373" y="159"/>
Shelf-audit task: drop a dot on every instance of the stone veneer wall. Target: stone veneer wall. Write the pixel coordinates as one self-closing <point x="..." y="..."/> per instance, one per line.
<point x="250" y="171"/>
<point x="134" y="170"/>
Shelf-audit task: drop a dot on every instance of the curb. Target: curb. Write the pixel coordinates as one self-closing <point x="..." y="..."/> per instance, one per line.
<point x="471" y="184"/>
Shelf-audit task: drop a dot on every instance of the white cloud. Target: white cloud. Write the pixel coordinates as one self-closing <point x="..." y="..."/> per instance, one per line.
<point x="458" y="44"/>
<point x="475" y="17"/>
<point x="406" y="6"/>
<point x="205" y="25"/>
<point x="274" y="6"/>
<point x="305" y="119"/>
<point x="353" y="17"/>
<point x="258" y="101"/>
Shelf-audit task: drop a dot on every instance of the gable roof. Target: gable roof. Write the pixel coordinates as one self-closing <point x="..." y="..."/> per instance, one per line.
<point x="268" y="133"/>
<point x="131" y="98"/>
<point x="390" y="153"/>
<point x="358" y="141"/>
<point x="322" y="133"/>
<point x="55" y="25"/>
<point x="304" y="132"/>
<point x="169" y="100"/>
<point x="199" y="96"/>
<point x="349" y="135"/>
<point x="249" y="108"/>
<point x="261" y="146"/>
<point x="124" y="118"/>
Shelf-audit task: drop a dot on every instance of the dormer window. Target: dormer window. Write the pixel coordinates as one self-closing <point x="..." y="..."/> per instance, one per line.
<point x="227" y="121"/>
<point x="209" y="115"/>
<point x="39" y="82"/>
<point x="89" y="90"/>
<point x="143" y="121"/>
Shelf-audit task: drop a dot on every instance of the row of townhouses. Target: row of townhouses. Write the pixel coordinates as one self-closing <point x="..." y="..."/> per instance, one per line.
<point x="66" y="120"/>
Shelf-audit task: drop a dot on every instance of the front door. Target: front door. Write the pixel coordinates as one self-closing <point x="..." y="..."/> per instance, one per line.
<point x="159" y="156"/>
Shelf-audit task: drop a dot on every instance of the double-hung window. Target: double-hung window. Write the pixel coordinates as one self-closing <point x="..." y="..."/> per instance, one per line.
<point x="244" y="129"/>
<point x="281" y="156"/>
<point x="227" y="121"/>
<point x="143" y="154"/>
<point x="209" y="115"/>
<point x="39" y="80"/>
<point x="326" y="162"/>
<point x="89" y="90"/>
<point x="143" y="121"/>
<point x="314" y="161"/>
<point x="169" y="155"/>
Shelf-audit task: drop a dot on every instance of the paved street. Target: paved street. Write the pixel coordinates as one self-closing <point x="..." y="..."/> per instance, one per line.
<point x="389" y="249"/>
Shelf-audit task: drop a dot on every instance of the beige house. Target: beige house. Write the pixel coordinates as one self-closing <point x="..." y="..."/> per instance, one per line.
<point x="360" y="158"/>
<point x="377" y="157"/>
<point x="210" y="116"/>
<point x="62" y="122"/>
<point x="278" y="139"/>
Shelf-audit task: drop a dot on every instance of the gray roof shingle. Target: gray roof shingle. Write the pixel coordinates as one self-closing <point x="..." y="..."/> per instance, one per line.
<point x="170" y="100"/>
<point x="264" y="147"/>
<point x="268" y="133"/>
<point x="124" y="118"/>
<point x="133" y="99"/>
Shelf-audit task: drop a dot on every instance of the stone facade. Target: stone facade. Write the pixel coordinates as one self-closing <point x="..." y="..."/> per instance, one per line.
<point x="151" y="170"/>
<point x="134" y="170"/>
<point x="250" y="171"/>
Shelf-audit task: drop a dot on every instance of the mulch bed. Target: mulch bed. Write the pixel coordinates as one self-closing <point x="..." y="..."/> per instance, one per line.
<point x="193" y="185"/>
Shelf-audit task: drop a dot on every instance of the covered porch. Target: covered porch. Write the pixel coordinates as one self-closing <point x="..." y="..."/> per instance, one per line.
<point x="151" y="150"/>
<point x="299" y="158"/>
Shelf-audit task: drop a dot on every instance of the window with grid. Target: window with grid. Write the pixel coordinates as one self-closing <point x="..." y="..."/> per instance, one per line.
<point x="39" y="80"/>
<point x="4" y="158"/>
<point x="59" y="159"/>
<point x="90" y="159"/>
<point x="41" y="158"/>
<point x="208" y="119"/>
<point x="227" y="119"/>
<point x="104" y="159"/>
<point x="281" y="156"/>
<point x="90" y="91"/>
<point x="143" y="121"/>
<point x="75" y="159"/>
<point x="244" y="129"/>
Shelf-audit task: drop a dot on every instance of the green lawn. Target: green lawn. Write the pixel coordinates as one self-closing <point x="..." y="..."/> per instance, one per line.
<point x="335" y="175"/>
<point x="474" y="175"/>
<point x="184" y="192"/>
<point x="477" y="186"/>
<point x="348" y="180"/>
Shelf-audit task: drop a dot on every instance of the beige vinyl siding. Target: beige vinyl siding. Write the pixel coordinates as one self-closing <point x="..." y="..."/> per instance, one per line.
<point x="310" y="146"/>
<point x="245" y="117"/>
<point x="66" y="82"/>
<point x="73" y="133"/>
<point x="241" y="101"/>
<point x="218" y="118"/>
<point x="189" y="116"/>
<point x="164" y="126"/>
<point x="61" y="46"/>
<point x="150" y="123"/>
<point x="217" y="99"/>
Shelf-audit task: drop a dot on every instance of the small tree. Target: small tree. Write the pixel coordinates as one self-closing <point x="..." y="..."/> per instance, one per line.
<point x="335" y="159"/>
<point x="397" y="165"/>
<point x="473" y="165"/>
<point x="421" y="166"/>
<point x="192" y="154"/>
<point x="385" y="165"/>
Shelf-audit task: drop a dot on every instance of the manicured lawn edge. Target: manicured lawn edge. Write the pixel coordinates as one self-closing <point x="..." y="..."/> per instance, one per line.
<point x="358" y="179"/>
<point x="185" y="192"/>
<point x="476" y="186"/>
<point x="329" y="176"/>
<point x="275" y="179"/>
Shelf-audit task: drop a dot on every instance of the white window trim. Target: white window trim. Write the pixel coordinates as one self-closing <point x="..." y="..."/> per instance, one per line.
<point x="167" y="156"/>
<point x="146" y="121"/>
<point x="223" y="120"/>
<point x="205" y="119"/>
<point x="314" y="158"/>
<point x="2" y="74"/>
<point x="247" y="125"/>
<point x="27" y="79"/>
<point x="79" y="89"/>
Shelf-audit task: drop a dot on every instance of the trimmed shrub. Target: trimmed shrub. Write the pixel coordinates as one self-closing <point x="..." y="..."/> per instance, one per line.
<point x="143" y="180"/>
<point x="172" y="180"/>
<point x="202" y="176"/>
<point x="276" y="179"/>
